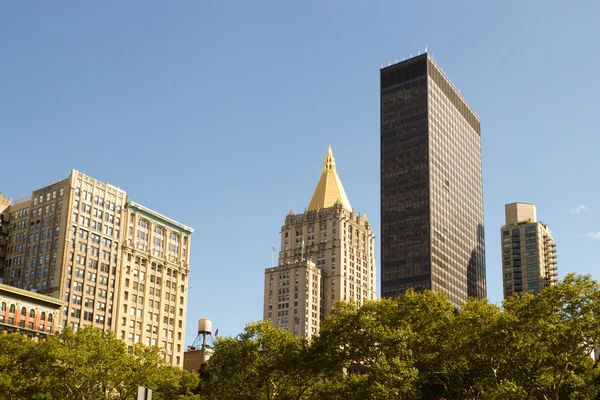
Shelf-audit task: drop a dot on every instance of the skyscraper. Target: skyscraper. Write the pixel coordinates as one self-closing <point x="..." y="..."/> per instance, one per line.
<point x="326" y="256"/>
<point x="528" y="251"/>
<point x="432" y="234"/>
<point x="116" y="264"/>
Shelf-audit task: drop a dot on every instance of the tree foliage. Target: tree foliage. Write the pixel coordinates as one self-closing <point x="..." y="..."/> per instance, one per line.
<point x="418" y="347"/>
<point x="87" y="365"/>
<point x="413" y="347"/>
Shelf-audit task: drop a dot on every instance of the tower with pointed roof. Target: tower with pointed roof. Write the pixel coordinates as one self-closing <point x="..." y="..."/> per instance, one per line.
<point x="326" y="255"/>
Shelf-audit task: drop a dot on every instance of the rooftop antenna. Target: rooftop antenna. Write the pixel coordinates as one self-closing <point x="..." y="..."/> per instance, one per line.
<point x="425" y="47"/>
<point x="418" y="52"/>
<point x="273" y="249"/>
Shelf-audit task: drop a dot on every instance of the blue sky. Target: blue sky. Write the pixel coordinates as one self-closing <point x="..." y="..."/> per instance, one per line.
<point x="218" y="114"/>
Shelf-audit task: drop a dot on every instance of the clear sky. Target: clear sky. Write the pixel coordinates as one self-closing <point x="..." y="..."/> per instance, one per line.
<point x="218" y="114"/>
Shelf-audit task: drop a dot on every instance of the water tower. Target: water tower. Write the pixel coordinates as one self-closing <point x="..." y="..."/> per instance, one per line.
<point x="204" y="330"/>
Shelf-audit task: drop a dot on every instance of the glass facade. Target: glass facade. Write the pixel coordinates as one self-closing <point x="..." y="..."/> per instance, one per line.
<point x="431" y="185"/>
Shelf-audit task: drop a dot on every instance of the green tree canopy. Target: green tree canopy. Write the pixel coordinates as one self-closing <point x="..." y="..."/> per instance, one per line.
<point x="87" y="365"/>
<point x="418" y="347"/>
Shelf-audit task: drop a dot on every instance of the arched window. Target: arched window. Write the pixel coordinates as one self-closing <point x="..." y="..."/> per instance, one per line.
<point x="12" y="308"/>
<point x="32" y="313"/>
<point x="43" y="316"/>
<point x="159" y="237"/>
<point x="174" y="243"/>
<point x="3" y="306"/>
<point x="23" y="311"/>
<point x="142" y="231"/>
<point x="49" y="317"/>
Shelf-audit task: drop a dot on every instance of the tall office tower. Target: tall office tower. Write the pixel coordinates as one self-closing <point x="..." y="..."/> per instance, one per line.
<point x="432" y="233"/>
<point x="74" y="240"/>
<point x="4" y="223"/>
<point x="326" y="256"/>
<point x="528" y="252"/>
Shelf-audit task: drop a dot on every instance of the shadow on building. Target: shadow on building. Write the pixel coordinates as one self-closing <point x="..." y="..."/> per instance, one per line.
<point x="476" y="282"/>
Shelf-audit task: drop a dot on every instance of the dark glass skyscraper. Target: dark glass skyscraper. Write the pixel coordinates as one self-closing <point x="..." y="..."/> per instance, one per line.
<point x="432" y="233"/>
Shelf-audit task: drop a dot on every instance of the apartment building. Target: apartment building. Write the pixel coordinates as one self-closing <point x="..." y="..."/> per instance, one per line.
<point x="528" y="251"/>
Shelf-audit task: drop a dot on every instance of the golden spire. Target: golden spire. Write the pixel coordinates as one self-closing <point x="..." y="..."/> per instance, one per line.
<point x="329" y="164"/>
<point x="329" y="190"/>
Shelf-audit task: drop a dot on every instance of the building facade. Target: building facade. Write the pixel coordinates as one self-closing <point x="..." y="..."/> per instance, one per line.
<point x="82" y="241"/>
<point x="293" y="301"/>
<point x="432" y="234"/>
<point x="4" y="225"/>
<point x="528" y="252"/>
<point x="153" y="285"/>
<point x="28" y="313"/>
<point x="326" y="256"/>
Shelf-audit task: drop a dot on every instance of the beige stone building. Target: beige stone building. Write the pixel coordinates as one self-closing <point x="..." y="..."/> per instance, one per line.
<point x="153" y="287"/>
<point x="117" y="265"/>
<point x="326" y="256"/>
<point x="528" y="251"/>
<point x="293" y="297"/>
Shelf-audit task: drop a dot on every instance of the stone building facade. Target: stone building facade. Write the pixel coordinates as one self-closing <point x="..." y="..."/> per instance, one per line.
<point x="116" y="264"/>
<point x="327" y="255"/>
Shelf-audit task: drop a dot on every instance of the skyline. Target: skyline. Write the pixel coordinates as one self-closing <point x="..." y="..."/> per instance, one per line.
<point x="246" y="141"/>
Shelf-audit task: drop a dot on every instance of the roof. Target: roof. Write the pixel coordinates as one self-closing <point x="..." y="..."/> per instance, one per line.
<point x="31" y="296"/>
<point x="329" y="190"/>
<point x="159" y="217"/>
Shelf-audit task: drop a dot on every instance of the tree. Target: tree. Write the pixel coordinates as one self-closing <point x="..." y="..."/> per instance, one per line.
<point x="89" y="364"/>
<point x="363" y="355"/>
<point x="549" y="337"/>
<point x="175" y="384"/>
<point x="418" y="346"/>
<point x="472" y="353"/>
<point x="260" y="363"/>
<point x="19" y="358"/>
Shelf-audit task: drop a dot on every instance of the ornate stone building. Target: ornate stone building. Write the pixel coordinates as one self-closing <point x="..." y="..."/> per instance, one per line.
<point x="28" y="313"/>
<point x="153" y="284"/>
<point x="326" y="256"/>
<point x="116" y="264"/>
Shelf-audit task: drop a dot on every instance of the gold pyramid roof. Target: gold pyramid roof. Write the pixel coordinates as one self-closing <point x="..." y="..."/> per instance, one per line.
<point x="329" y="190"/>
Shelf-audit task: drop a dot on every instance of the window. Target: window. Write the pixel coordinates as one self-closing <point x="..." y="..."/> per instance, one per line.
<point x="174" y="243"/>
<point x="142" y="231"/>
<point x="159" y="238"/>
